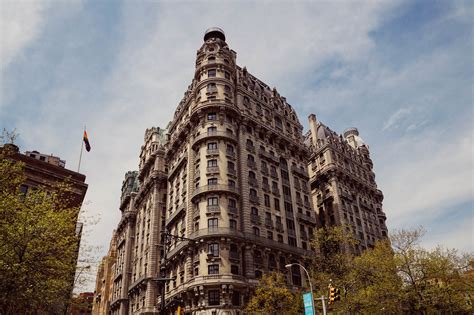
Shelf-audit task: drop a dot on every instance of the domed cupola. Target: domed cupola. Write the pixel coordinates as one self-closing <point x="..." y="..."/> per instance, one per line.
<point x="214" y="32"/>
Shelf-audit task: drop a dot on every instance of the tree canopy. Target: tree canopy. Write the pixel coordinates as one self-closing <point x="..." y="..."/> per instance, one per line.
<point x="38" y="245"/>
<point x="273" y="297"/>
<point x="396" y="276"/>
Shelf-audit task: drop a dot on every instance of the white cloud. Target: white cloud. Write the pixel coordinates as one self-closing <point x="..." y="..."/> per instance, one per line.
<point x="20" y="23"/>
<point x="423" y="176"/>
<point x="285" y="44"/>
<point x="394" y="120"/>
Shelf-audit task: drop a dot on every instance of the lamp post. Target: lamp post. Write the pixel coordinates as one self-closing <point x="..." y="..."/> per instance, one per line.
<point x="76" y="278"/>
<point x="309" y="280"/>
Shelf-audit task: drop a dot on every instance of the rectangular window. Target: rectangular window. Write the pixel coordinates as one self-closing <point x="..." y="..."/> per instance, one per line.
<point x="211" y="73"/>
<point x="233" y="224"/>
<point x="277" y="204"/>
<point x="227" y="75"/>
<point x="212" y="146"/>
<point x="211" y="163"/>
<point x="212" y="181"/>
<point x="213" y="201"/>
<point x="213" y="249"/>
<point x="213" y="269"/>
<point x="212" y="223"/>
<point x="270" y="235"/>
<point x="214" y="297"/>
<point x="266" y="199"/>
<point x="212" y="130"/>
<point x="211" y="116"/>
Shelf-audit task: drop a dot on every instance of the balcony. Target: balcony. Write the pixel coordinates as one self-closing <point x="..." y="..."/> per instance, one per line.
<point x="214" y="188"/>
<point x="250" y="148"/>
<point x="234" y="255"/>
<point x="212" y="152"/>
<point x="252" y="164"/>
<point x="307" y="204"/>
<point x="268" y="156"/>
<point x="266" y="187"/>
<point x="253" y="182"/>
<point x="214" y="134"/>
<point x="231" y="171"/>
<point x="285" y="181"/>
<point x="265" y="171"/>
<point x="287" y="198"/>
<point x="346" y="195"/>
<point x="255" y="218"/>
<point x="300" y="171"/>
<point x="273" y="174"/>
<point x="213" y="209"/>
<point x="305" y="218"/>
<point x="276" y="191"/>
<point x="268" y="223"/>
<point x="233" y="210"/>
<point x="299" y="202"/>
<point x="230" y="154"/>
<point x="254" y="199"/>
<point x="291" y="232"/>
<point x="289" y="214"/>
<point x="279" y="227"/>
<point x="179" y="210"/>
<point x="212" y="169"/>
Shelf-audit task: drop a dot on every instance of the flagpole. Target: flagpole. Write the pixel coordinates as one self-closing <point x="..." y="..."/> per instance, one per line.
<point x="80" y="155"/>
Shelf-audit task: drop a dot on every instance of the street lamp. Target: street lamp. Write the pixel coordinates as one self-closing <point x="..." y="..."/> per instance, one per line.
<point x="309" y="280"/>
<point x="80" y="272"/>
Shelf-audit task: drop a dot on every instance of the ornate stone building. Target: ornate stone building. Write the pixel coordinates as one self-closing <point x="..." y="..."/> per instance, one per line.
<point x="221" y="197"/>
<point x="104" y="280"/>
<point x="343" y="184"/>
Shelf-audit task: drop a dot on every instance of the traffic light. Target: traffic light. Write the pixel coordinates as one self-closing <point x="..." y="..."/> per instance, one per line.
<point x="334" y="295"/>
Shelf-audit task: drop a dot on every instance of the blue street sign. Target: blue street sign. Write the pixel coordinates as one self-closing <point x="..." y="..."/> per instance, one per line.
<point x="308" y="303"/>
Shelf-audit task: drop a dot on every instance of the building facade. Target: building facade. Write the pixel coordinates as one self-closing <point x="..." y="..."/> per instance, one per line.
<point x="46" y="172"/>
<point x="104" y="280"/>
<point x="225" y="194"/>
<point x="343" y="185"/>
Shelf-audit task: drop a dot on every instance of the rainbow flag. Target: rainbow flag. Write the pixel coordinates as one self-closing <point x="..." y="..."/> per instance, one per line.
<point x="86" y="142"/>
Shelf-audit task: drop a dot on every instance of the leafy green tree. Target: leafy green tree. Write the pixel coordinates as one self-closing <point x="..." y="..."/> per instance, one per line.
<point x="272" y="297"/>
<point x="439" y="280"/>
<point x="333" y="261"/>
<point x="38" y="246"/>
<point x="376" y="285"/>
<point x="394" y="277"/>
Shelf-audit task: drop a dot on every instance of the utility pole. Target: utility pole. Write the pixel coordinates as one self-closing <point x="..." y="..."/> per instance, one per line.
<point x="322" y="298"/>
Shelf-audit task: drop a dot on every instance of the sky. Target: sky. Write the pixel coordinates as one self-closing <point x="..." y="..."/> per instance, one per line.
<point x="402" y="72"/>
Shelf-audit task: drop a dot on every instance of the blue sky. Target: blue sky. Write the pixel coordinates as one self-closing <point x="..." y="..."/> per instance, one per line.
<point x="400" y="71"/>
